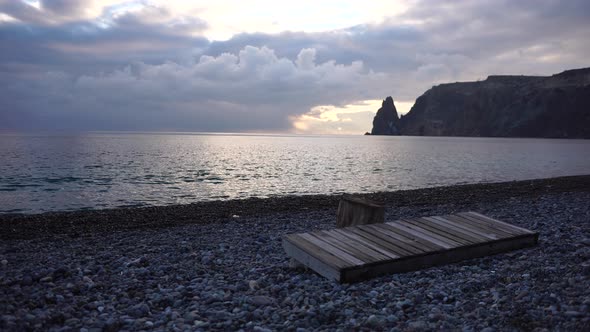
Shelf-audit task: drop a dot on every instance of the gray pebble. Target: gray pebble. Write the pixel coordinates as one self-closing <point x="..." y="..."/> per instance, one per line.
<point x="184" y="278"/>
<point x="261" y="300"/>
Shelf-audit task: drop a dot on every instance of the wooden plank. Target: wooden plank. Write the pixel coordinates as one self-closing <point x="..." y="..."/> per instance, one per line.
<point x="413" y="263"/>
<point x="331" y="249"/>
<point x="458" y="229"/>
<point x="354" y="248"/>
<point x="389" y="233"/>
<point x="442" y="231"/>
<point x="426" y="234"/>
<point x="445" y="230"/>
<point x="397" y="244"/>
<point x="382" y="241"/>
<point x="508" y="230"/>
<point x="417" y="242"/>
<point x="483" y="224"/>
<point x="346" y="247"/>
<point x="481" y="216"/>
<point x="358" y="211"/>
<point x="310" y="260"/>
<point x="379" y="231"/>
<point x="317" y="252"/>
<point x="494" y="234"/>
<point x="420" y="234"/>
<point x="372" y="245"/>
<point x="482" y="235"/>
<point x="485" y="230"/>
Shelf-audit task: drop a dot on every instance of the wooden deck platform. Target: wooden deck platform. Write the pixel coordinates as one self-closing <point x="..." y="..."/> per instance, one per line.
<point x="361" y="252"/>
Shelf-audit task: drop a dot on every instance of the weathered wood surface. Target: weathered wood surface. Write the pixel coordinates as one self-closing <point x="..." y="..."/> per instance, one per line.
<point x="364" y="251"/>
<point x="354" y="211"/>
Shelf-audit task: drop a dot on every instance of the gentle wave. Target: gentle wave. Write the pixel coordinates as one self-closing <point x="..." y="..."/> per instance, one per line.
<point x="49" y="173"/>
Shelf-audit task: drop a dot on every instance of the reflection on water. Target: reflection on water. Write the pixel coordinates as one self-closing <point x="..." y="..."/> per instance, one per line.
<point x="44" y="173"/>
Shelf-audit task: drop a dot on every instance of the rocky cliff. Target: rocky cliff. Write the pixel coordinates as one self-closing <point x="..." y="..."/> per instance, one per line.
<point x="503" y="106"/>
<point x="386" y="121"/>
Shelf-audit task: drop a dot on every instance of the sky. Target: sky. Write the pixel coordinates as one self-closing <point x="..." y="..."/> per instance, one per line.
<point x="310" y="67"/>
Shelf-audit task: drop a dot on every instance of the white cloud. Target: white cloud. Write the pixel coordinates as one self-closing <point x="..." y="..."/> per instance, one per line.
<point x="7" y="18"/>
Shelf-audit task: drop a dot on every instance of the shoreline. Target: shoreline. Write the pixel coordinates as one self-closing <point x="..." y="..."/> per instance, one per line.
<point x="85" y="222"/>
<point x="221" y="267"/>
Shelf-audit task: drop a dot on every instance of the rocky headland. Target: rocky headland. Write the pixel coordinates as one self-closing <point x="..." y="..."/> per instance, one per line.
<point x="556" y="106"/>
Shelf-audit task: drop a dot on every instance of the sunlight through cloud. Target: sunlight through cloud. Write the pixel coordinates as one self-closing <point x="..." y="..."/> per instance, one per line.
<point x="352" y="119"/>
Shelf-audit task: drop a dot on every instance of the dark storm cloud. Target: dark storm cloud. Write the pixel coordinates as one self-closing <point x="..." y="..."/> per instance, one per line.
<point x="20" y="10"/>
<point x="485" y="28"/>
<point x="49" y="11"/>
<point x="150" y="35"/>
<point x="146" y="70"/>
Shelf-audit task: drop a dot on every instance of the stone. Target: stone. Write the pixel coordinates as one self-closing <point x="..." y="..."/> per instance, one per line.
<point x="72" y="322"/>
<point x="200" y="324"/>
<point x="253" y="285"/>
<point x="261" y="329"/>
<point x="27" y="280"/>
<point x="375" y="321"/>
<point x="191" y="316"/>
<point x="405" y="304"/>
<point x="140" y="310"/>
<point x="418" y="325"/>
<point x="111" y="325"/>
<point x="572" y="313"/>
<point x="261" y="300"/>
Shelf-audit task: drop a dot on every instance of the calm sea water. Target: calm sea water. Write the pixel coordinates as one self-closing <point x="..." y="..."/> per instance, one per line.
<point x="90" y="171"/>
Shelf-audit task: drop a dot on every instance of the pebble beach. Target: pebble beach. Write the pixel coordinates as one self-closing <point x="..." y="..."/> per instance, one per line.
<point x="220" y="266"/>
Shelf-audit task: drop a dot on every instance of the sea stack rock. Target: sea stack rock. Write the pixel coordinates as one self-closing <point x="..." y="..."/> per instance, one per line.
<point x="386" y="121"/>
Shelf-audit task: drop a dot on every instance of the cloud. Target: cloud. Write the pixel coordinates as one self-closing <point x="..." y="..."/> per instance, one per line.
<point x="435" y="42"/>
<point x="64" y="7"/>
<point x="352" y="119"/>
<point x="140" y="66"/>
<point x="117" y="38"/>
<point x="45" y="12"/>
<point x="252" y="90"/>
<point x="329" y="119"/>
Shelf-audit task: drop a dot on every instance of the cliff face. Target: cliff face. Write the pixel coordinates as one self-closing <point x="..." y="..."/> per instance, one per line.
<point x="386" y="121"/>
<point x="505" y="106"/>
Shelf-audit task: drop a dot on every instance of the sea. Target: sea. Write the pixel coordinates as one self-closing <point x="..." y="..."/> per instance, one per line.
<point x="41" y="172"/>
